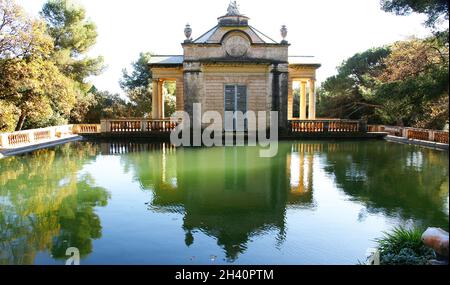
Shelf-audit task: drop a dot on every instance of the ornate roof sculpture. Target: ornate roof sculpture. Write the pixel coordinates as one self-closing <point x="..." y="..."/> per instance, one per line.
<point x="233" y="9"/>
<point x="233" y="18"/>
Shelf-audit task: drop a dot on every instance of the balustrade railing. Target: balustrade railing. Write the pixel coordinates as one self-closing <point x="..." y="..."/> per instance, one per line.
<point x="418" y="135"/>
<point x="412" y="133"/>
<point x="441" y="137"/>
<point x="86" y="128"/>
<point x="138" y="125"/>
<point x="29" y="137"/>
<point x="323" y="126"/>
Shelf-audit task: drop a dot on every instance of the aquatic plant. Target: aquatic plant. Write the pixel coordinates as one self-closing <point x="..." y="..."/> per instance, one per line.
<point x="404" y="246"/>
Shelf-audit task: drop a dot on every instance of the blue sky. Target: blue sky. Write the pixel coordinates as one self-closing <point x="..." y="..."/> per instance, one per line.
<point x="330" y="30"/>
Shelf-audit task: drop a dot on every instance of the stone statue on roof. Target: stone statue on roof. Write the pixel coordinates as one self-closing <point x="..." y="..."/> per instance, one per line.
<point x="233" y="9"/>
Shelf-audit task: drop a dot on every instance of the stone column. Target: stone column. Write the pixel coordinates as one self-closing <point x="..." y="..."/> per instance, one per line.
<point x="193" y="88"/>
<point x="312" y="100"/>
<point x="155" y="105"/>
<point x="290" y="99"/>
<point x="303" y="100"/>
<point x="160" y="99"/>
<point x="280" y="95"/>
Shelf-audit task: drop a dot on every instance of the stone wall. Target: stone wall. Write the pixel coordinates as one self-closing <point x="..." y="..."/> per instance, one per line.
<point x="217" y="51"/>
<point x="254" y="77"/>
<point x="252" y="49"/>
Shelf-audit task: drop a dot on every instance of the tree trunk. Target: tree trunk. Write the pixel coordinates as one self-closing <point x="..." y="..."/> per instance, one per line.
<point x="22" y="118"/>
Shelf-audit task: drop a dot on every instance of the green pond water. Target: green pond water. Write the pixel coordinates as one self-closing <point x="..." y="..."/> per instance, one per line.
<point x="133" y="203"/>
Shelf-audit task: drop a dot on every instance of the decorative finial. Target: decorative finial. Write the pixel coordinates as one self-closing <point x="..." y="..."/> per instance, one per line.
<point x="233" y="9"/>
<point x="188" y="33"/>
<point x="283" y="34"/>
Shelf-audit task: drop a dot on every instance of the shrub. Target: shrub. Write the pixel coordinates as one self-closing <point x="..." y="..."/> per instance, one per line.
<point x="404" y="247"/>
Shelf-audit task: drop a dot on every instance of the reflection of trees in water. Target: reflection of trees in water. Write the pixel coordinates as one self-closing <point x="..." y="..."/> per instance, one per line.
<point x="228" y="193"/>
<point x="232" y="194"/>
<point x="394" y="179"/>
<point x="46" y="205"/>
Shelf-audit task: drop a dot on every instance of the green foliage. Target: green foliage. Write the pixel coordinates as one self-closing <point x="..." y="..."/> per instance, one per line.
<point x="434" y="9"/>
<point x="68" y="26"/>
<point x="21" y="36"/>
<point x="169" y="98"/>
<point x="137" y="85"/>
<point x="8" y="116"/>
<point x="403" y="84"/>
<point x="29" y="81"/>
<point x="43" y="67"/>
<point x="349" y="94"/>
<point x="107" y="106"/>
<point x="73" y="35"/>
<point x="403" y="247"/>
<point x="140" y="76"/>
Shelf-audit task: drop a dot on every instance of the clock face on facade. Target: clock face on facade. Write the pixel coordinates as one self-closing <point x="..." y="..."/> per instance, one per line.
<point x="236" y="45"/>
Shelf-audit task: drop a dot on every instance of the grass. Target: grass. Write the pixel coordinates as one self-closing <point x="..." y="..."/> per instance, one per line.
<point x="404" y="246"/>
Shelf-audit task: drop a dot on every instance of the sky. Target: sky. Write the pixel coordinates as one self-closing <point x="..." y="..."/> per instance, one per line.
<point x="327" y="29"/>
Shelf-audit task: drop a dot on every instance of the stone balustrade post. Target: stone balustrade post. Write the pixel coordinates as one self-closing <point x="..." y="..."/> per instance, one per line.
<point x="4" y="142"/>
<point x="362" y="126"/>
<point x="404" y="132"/>
<point x="30" y="135"/>
<point x="74" y="129"/>
<point x="53" y="132"/>
<point x="326" y="126"/>
<point x="105" y="126"/>
<point x="431" y="135"/>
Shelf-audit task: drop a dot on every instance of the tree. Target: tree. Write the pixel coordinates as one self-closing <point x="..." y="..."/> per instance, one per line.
<point x="403" y="84"/>
<point x="349" y="94"/>
<point x="73" y="35"/>
<point x="20" y="36"/>
<point x="107" y="106"/>
<point x="31" y="86"/>
<point x="137" y="85"/>
<point x="434" y="9"/>
<point x="44" y="67"/>
<point x="414" y="83"/>
<point x="36" y="88"/>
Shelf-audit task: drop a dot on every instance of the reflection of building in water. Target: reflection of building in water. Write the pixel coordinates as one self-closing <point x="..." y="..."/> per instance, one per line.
<point x="300" y="162"/>
<point x="229" y="193"/>
<point x="130" y="147"/>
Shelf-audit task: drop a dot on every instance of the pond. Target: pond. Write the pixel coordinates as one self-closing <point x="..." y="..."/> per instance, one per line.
<point x="316" y="202"/>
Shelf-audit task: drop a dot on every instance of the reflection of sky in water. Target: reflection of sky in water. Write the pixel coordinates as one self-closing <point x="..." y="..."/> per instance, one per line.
<point x="415" y="159"/>
<point x="315" y="203"/>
